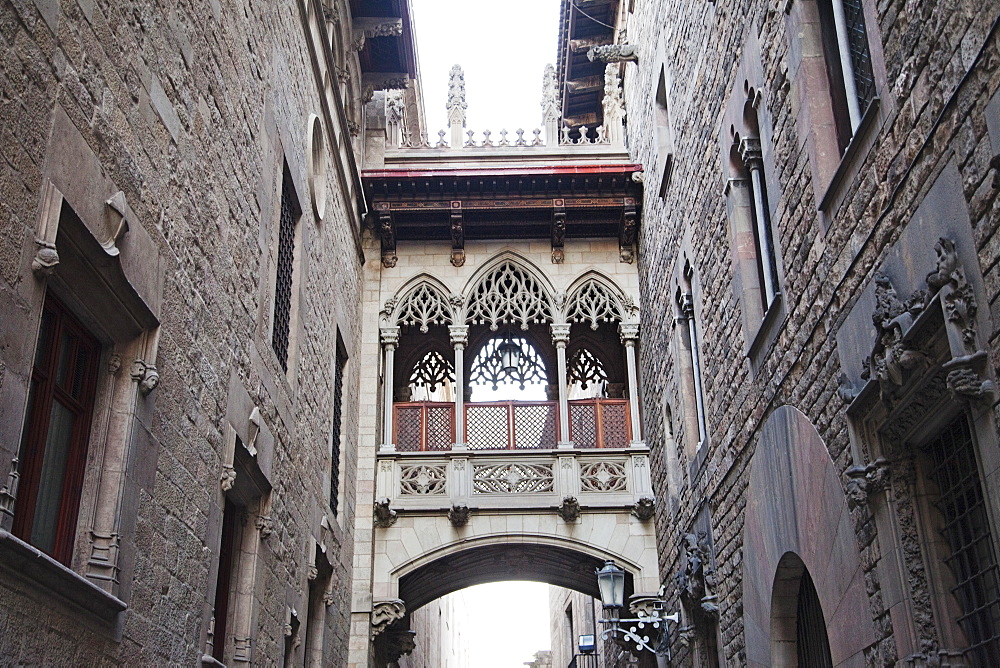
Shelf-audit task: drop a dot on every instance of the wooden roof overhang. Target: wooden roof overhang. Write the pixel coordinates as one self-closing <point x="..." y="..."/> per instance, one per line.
<point x="582" y="81"/>
<point x="387" y="55"/>
<point x="527" y="202"/>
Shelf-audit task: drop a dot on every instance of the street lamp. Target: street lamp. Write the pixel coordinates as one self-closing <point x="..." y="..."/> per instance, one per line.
<point x="646" y="630"/>
<point x="510" y="356"/>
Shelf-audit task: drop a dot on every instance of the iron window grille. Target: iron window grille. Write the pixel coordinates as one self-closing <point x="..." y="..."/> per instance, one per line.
<point x="338" y="395"/>
<point x="861" y="59"/>
<point x="290" y="212"/>
<point x="966" y="528"/>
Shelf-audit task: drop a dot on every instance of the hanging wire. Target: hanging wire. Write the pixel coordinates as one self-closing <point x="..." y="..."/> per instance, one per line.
<point x="573" y="4"/>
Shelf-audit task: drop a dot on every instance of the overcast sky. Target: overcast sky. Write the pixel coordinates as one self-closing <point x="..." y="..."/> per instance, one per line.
<point x="503" y="48"/>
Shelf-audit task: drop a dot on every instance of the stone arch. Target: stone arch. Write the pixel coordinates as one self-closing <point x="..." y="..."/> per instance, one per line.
<point x="796" y="503"/>
<point x="557" y="560"/>
<point x="531" y="301"/>
<point x="422" y="301"/>
<point x="594" y="298"/>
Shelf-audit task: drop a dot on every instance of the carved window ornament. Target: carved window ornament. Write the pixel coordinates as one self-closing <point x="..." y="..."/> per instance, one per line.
<point x="593" y="302"/>
<point x="488" y="367"/>
<point x="586" y="369"/>
<point x="433" y="370"/>
<point x="509" y="294"/>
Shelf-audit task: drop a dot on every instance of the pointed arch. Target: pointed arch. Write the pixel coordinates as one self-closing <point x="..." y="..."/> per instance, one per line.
<point x="422" y="301"/>
<point x="594" y="298"/>
<point x="508" y="289"/>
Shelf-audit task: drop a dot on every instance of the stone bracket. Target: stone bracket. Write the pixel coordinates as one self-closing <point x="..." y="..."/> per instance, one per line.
<point x="387" y="234"/>
<point x="558" y="230"/>
<point x="457" y="234"/>
<point x="627" y="230"/>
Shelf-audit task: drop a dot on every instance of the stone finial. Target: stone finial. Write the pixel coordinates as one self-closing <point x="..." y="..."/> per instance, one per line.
<point x="550" y="95"/>
<point x="614" y="106"/>
<point x="613" y="53"/>
<point x="456" y="97"/>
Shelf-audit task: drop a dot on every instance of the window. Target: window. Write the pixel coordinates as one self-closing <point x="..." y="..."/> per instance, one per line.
<point x="812" y="644"/>
<point x="965" y="527"/>
<point x="690" y="360"/>
<point x="288" y="222"/>
<point x="335" y="431"/>
<point x="848" y="64"/>
<point x="664" y="135"/>
<point x="752" y="156"/>
<point x="228" y="548"/>
<point x="56" y="432"/>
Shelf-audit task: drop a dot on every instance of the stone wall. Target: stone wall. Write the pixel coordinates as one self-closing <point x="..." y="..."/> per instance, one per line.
<point x="940" y="75"/>
<point x="189" y="110"/>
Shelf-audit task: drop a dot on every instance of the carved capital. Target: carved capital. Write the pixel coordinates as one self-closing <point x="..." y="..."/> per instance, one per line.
<point x="751" y="153"/>
<point x="389" y="337"/>
<point x="629" y="332"/>
<point x="385" y="613"/>
<point x="560" y="334"/>
<point x="459" y="335"/>
<point x="150" y="380"/>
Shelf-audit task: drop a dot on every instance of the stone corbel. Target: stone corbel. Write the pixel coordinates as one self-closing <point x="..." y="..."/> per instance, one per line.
<point x="385" y="613"/>
<point x="385" y="80"/>
<point x="145" y="375"/>
<point x="457" y="235"/>
<point x="627" y="231"/>
<point x="115" y="221"/>
<point x="613" y="53"/>
<point x="103" y="562"/>
<point x="398" y="642"/>
<point x="255" y="420"/>
<point x="385" y="517"/>
<point x="387" y="233"/>
<point x="967" y="378"/>
<point x="569" y="509"/>
<point x="46" y="259"/>
<point x="863" y="481"/>
<point x="458" y="515"/>
<point x="264" y="525"/>
<point x="644" y="508"/>
<point x="8" y="493"/>
<point x="227" y="478"/>
<point x="558" y="230"/>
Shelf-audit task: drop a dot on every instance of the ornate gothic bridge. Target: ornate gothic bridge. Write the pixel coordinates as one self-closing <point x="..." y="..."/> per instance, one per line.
<point x="503" y="320"/>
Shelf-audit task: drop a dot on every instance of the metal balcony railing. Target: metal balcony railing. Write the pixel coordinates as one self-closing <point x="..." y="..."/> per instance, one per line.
<point x="584" y="661"/>
<point x="511" y="425"/>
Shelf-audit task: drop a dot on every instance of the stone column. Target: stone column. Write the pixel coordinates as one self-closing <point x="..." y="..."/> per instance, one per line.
<point x="459" y="339"/>
<point x="753" y="158"/>
<point x="390" y="339"/>
<point x="560" y="337"/>
<point x="687" y="310"/>
<point x="630" y="334"/>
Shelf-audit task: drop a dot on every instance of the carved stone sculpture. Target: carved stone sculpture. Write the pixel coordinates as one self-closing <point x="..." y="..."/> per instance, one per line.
<point x="456" y="97"/>
<point x="845" y="390"/>
<point x="569" y="509"/>
<point x="863" y="481"/>
<point x="228" y="478"/>
<point x="46" y="259"/>
<point x="265" y="525"/>
<point x="458" y="515"/>
<point x="892" y="357"/>
<point x="397" y="643"/>
<point x="385" y="613"/>
<point x="385" y="517"/>
<point x="644" y="508"/>
<point x="613" y="53"/>
<point x="695" y="579"/>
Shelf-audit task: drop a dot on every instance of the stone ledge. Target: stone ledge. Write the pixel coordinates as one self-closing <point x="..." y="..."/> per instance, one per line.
<point x="41" y="569"/>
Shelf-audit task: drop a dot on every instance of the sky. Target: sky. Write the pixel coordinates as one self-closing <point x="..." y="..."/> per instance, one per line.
<point x="503" y="49"/>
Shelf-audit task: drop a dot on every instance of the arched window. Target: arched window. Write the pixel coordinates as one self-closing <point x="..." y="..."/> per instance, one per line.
<point x="432" y="378"/>
<point x="509" y="294"/>
<point x="507" y="363"/>
<point x="586" y="375"/>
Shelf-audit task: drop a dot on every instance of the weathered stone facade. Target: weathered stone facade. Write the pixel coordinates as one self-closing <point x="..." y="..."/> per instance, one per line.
<point x="918" y="168"/>
<point x="187" y="120"/>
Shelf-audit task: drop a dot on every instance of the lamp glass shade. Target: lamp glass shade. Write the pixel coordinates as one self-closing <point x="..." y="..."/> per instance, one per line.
<point x="510" y="356"/>
<point x="611" y="583"/>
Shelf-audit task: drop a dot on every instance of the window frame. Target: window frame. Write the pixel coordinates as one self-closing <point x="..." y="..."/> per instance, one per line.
<point x="45" y="389"/>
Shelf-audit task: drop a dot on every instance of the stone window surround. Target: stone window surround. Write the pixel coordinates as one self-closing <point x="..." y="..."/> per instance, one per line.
<point x="760" y="326"/>
<point x="831" y="171"/>
<point x="109" y="275"/>
<point x="664" y="138"/>
<point x="345" y="374"/>
<point x="687" y="282"/>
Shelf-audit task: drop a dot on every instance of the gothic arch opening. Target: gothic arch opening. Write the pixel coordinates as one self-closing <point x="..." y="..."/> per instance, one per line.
<point x="798" y="628"/>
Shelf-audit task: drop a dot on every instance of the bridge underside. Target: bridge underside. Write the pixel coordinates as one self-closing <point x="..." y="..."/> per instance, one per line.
<point x="496" y="563"/>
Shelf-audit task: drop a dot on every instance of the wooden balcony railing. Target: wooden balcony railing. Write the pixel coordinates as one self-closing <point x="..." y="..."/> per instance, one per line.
<point x="511" y="425"/>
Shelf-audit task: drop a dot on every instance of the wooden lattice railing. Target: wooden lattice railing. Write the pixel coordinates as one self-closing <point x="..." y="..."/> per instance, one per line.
<point x="511" y="425"/>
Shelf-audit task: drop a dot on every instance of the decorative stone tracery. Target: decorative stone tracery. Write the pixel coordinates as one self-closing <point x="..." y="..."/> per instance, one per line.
<point x="603" y="477"/>
<point x="422" y="480"/>
<point x="512" y="479"/>
<point x="509" y="294"/>
<point x="424" y="305"/>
